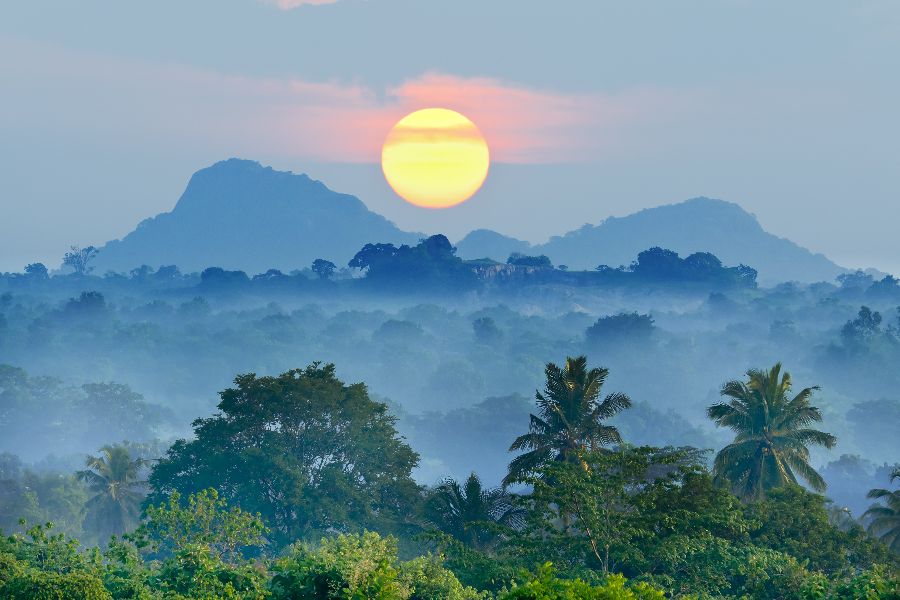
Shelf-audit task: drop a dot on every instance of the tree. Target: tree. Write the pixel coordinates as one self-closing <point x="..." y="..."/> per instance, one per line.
<point x="584" y="512"/>
<point x="307" y="452"/>
<point x="432" y="263"/>
<point x="658" y="263"/>
<point x="36" y="271"/>
<point x="865" y="327"/>
<point x="113" y="478"/>
<point x="206" y="521"/>
<point x="363" y="567"/>
<point x="570" y="418"/>
<point x="885" y="518"/>
<point x="323" y="268"/>
<point x="79" y="259"/>
<point x="517" y="259"/>
<point x="470" y="513"/>
<point x="770" y="448"/>
<point x="486" y="330"/>
<point x="795" y="521"/>
<point x="546" y="585"/>
<point x="619" y="328"/>
<point x="115" y="409"/>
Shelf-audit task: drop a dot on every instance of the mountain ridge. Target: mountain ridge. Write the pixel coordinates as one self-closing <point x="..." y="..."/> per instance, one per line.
<point x="699" y="224"/>
<point x="225" y="197"/>
<point x="238" y="214"/>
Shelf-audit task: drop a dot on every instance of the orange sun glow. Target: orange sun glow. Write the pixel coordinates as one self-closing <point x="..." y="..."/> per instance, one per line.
<point x="435" y="158"/>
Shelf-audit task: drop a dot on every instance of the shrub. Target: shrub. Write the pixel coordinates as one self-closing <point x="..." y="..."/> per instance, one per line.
<point x="547" y="586"/>
<point x="348" y="567"/>
<point x="42" y="585"/>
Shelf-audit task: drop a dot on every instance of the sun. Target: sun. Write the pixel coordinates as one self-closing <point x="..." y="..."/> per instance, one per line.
<point x="435" y="158"/>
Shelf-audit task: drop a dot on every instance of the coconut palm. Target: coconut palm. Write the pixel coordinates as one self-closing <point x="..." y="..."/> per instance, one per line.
<point x="885" y="518"/>
<point x="113" y="479"/>
<point x="471" y="513"/>
<point x="771" y="445"/>
<point x="569" y="420"/>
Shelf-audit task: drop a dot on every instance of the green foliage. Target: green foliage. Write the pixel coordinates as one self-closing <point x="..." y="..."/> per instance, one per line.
<point x="44" y="566"/>
<point x="303" y="450"/>
<point x="206" y="521"/>
<point x="196" y="573"/>
<point x="472" y="514"/>
<point x="796" y="522"/>
<point x="323" y="268"/>
<point x="43" y="585"/>
<point x="352" y="567"/>
<point x="570" y="418"/>
<point x="39" y="497"/>
<point x="770" y="449"/>
<point x="78" y="259"/>
<point x="430" y="264"/>
<point x="80" y="415"/>
<point x="475" y="568"/>
<point x="427" y="578"/>
<point x="587" y="514"/>
<point x="362" y="567"/>
<point x="545" y="585"/>
<point x="126" y="575"/>
<point x="518" y="259"/>
<point x="884" y="519"/>
<point x="46" y="551"/>
<point x="623" y="327"/>
<point x="113" y="479"/>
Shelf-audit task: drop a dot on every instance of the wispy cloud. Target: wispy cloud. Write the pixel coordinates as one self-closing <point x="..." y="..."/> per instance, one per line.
<point x="322" y="121"/>
<point x="292" y="4"/>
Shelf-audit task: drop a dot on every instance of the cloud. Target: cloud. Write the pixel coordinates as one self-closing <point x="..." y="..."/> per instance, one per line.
<point x="98" y="97"/>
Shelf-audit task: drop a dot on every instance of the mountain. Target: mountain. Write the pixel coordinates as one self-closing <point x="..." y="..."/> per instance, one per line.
<point x="696" y="225"/>
<point x="238" y="214"/>
<point x="484" y="243"/>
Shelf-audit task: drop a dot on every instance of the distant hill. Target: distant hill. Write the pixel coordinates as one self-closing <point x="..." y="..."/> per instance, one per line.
<point x="696" y="225"/>
<point x="238" y="214"/>
<point x="484" y="243"/>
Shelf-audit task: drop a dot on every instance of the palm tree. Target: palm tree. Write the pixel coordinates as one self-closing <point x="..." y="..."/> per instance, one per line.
<point x="570" y="418"/>
<point x="470" y="513"/>
<point x="770" y="448"/>
<point x="113" y="480"/>
<point x="885" y="518"/>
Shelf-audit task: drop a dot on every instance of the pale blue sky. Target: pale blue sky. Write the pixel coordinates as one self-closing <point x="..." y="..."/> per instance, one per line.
<point x="599" y="108"/>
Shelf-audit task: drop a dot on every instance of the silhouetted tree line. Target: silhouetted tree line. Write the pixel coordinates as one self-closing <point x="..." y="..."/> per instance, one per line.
<point x="432" y="264"/>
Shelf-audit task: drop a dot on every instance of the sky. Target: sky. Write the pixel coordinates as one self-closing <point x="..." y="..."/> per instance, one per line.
<point x="591" y="109"/>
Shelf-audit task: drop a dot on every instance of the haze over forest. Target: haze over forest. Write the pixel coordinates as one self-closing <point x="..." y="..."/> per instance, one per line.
<point x="391" y="300"/>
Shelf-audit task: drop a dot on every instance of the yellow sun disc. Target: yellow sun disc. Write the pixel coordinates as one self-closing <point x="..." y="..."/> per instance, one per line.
<point x="435" y="158"/>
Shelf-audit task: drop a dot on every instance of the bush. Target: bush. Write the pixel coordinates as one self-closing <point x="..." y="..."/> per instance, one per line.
<point x="196" y="573"/>
<point x="345" y="567"/>
<point x="364" y="567"/>
<point x="547" y="586"/>
<point x="427" y="579"/>
<point x="41" y="585"/>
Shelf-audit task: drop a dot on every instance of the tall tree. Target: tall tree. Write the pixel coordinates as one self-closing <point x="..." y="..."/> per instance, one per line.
<point x="569" y="420"/>
<point x="113" y="479"/>
<point x="307" y="452"/>
<point x="79" y="259"/>
<point x="885" y="518"/>
<point x="323" y="268"/>
<point x="470" y="512"/>
<point x="771" y="445"/>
